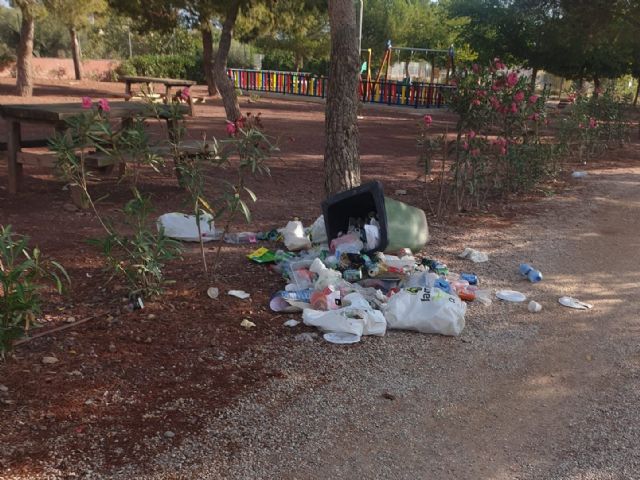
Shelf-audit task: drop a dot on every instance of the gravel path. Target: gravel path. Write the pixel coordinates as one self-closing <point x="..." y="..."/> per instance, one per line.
<point x="552" y="395"/>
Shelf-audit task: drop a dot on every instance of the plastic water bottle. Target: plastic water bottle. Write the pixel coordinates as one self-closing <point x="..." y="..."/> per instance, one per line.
<point x="472" y="278"/>
<point x="531" y="273"/>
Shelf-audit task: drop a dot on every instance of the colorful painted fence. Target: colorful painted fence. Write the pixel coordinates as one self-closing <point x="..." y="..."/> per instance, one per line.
<point x="415" y="94"/>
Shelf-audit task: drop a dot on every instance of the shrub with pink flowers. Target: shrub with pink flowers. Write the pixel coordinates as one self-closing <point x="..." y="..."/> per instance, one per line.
<point x="594" y="124"/>
<point x="497" y="147"/>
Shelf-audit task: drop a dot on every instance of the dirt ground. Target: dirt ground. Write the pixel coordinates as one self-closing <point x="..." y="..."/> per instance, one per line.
<point x="551" y="395"/>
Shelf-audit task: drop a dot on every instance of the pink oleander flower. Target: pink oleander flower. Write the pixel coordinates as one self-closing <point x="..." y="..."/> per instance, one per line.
<point x="499" y="65"/>
<point x="533" y="99"/>
<point x="86" y="102"/>
<point x="514" y="108"/>
<point x="502" y="144"/>
<point x="592" y="123"/>
<point x="481" y="93"/>
<point x="185" y="93"/>
<point x="519" y="96"/>
<point x="103" y="104"/>
<point x="475" y="101"/>
<point x="231" y="128"/>
<point x="580" y="126"/>
<point x="465" y="146"/>
<point x="512" y="79"/>
<point x="427" y="120"/>
<point x="534" y="117"/>
<point x="472" y="134"/>
<point x="500" y="141"/>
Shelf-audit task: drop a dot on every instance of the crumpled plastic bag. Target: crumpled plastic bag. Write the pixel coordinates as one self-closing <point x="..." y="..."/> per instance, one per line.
<point x="183" y="227"/>
<point x="327" y="277"/>
<point x="318" y="231"/>
<point x="426" y="310"/>
<point x="295" y="237"/>
<point x="474" y="255"/>
<point x="357" y="318"/>
<point x="372" y="233"/>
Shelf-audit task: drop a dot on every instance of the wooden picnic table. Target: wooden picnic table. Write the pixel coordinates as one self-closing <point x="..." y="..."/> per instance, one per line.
<point x="169" y="84"/>
<point x="55" y="115"/>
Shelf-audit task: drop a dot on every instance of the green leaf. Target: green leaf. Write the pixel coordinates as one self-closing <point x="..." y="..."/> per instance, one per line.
<point x="245" y="210"/>
<point x="251" y="194"/>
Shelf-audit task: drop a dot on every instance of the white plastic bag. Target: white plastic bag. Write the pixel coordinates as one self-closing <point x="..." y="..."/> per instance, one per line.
<point x="318" y="231"/>
<point x="373" y="236"/>
<point x="294" y="236"/>
<point x="408" y="261"/>
<point x="184" y="227"/>
<point x="474" y="255"/>
<point x="327" y="277"/>
<point x="426" y="310"/>
<point x="357" y="318"/>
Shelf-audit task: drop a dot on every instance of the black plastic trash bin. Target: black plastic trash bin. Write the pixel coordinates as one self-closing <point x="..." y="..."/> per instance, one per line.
<point x="401" y="225"/>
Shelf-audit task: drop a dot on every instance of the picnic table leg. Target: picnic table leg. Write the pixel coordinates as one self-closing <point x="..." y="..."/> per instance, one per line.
<point x="167" y="93"/>
<point x="13" y="148"/>
<point x="127" y="91"/>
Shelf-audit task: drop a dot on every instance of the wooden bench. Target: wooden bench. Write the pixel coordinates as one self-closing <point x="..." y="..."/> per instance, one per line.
<point x="169" y="85"/>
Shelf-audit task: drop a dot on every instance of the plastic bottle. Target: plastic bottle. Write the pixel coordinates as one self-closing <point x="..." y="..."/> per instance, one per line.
<point x="531" y="273"/>
<point x="242" y="237"/>
<point x="472" y="278"/>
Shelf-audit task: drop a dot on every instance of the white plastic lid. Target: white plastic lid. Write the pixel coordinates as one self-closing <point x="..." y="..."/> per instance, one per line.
<point x="342" y="338"/>
<point x="511" y="296"/>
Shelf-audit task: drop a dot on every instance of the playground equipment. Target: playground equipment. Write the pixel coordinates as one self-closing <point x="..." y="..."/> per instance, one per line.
<point x="428" y="52"/>
<point x="365" y="68"/>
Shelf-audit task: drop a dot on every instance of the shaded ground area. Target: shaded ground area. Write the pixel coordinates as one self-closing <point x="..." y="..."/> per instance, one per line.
<point x="517" y="396"/>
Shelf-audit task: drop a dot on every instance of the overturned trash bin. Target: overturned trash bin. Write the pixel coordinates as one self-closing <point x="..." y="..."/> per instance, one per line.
<point x="401" y="225"/>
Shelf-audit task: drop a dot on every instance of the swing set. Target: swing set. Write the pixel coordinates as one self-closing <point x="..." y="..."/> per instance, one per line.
<point x="427" y="52"/>
<point x="370" y="90"/>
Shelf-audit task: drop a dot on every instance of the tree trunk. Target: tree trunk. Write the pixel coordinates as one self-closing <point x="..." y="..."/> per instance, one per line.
<point x="25" y="54"/>
<point x="222" y="80"/>
<point x="534" y="75"/>
<point x="77" y="54"/>
<point x="207" y="55"/>
<point x="635" y="100"/>
<point x="596" y="86"/>
<point x="341" y="159"/>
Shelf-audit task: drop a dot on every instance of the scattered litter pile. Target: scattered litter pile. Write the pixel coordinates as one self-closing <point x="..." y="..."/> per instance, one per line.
<point x="352" y="272"/>
<point x="347" y="289"/>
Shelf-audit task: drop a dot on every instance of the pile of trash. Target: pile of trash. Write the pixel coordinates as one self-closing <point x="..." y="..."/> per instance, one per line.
<point x="347" y="289"/>
<point x="349" y="278"/>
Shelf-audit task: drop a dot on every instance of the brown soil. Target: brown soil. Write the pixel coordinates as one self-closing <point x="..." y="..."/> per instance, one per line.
<point x="184" y="355"/>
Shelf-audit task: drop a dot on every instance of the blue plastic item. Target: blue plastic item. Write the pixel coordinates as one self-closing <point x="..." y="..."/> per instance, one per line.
<point x="443" y="285"/>
<point x="531" y="273"/>
<point x="472" y="278"/>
